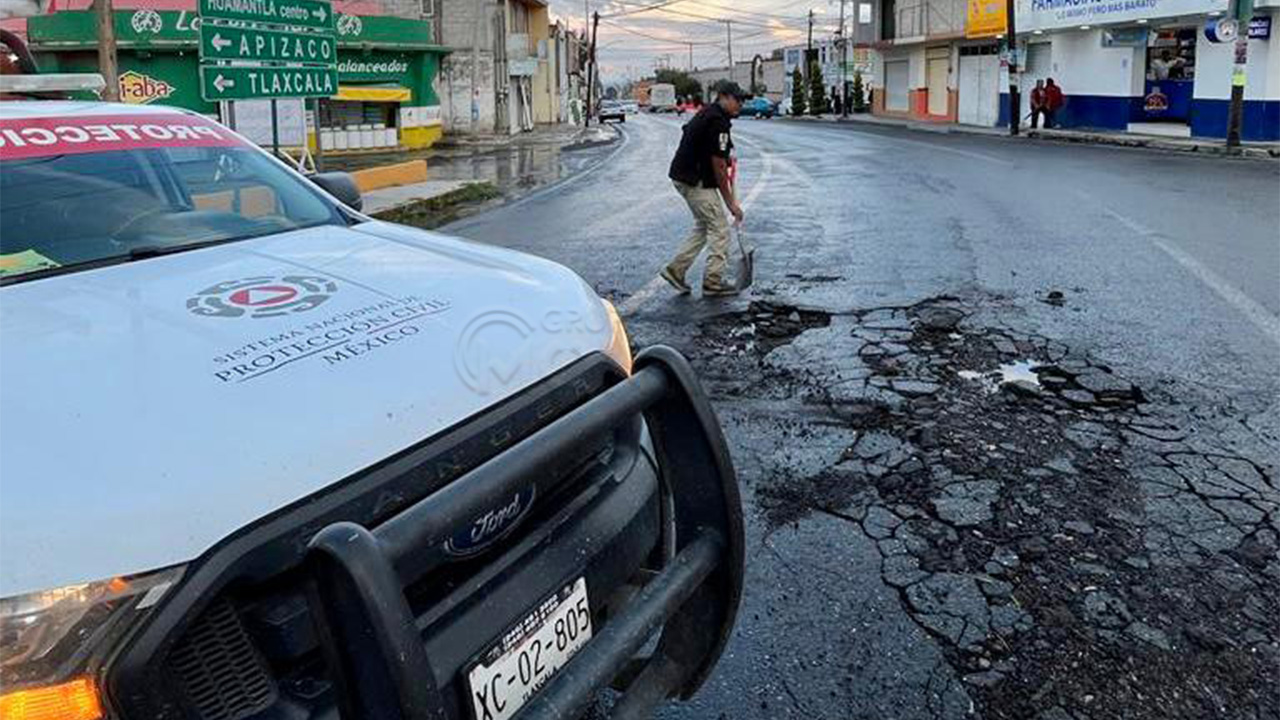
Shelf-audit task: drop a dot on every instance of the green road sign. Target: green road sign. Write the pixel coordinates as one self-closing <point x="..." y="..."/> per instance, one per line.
<point x="221" y="42"/>
<point x="225" y="82"/>
<point x="316" y="14"/>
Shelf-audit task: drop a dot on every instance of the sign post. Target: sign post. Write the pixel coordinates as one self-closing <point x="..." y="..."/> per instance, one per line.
<point x="1243" y="13"/>
<point x="251" y="49"/>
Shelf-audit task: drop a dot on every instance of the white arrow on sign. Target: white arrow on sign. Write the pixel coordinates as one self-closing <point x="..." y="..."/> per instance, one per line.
<point x="219" y="42"/>
<point x="319" y="14"/>
<point x="221" y="84"/>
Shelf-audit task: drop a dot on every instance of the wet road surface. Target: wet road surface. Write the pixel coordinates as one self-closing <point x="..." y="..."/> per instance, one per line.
<point x="1091" y="533"/>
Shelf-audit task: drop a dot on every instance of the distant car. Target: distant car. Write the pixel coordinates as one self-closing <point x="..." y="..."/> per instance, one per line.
<point x="631" y="107"/>
<point x="688" y="106"/>
<point x="612" y="110"/>
<point x="759" y="107"/>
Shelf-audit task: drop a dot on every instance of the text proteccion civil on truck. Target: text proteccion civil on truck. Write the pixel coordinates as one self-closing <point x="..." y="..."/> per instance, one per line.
<point x="264" y="457"/>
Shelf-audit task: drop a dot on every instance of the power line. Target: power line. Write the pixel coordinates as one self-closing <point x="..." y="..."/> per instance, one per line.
<point x="633" y="31"/>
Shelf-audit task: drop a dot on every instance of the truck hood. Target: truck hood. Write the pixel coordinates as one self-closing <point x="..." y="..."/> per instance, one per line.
<point x="152" y="408"/>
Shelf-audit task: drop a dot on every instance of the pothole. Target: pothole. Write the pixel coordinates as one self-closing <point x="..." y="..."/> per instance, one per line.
<point x="1057" y="537"/>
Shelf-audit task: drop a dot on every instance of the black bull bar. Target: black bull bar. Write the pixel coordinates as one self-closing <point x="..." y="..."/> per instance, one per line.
<point x="375" y="649"/>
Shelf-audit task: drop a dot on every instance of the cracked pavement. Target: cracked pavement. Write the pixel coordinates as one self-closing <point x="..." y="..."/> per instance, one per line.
<point x="1000" y="456"/>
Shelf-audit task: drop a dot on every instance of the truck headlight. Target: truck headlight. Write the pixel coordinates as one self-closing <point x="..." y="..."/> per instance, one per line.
<point x="51" y="641"/>
<point x="619" y="344"/>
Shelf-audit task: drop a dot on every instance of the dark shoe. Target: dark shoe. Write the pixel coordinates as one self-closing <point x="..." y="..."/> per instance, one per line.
<point x="681" y="286"/>
<point x="718" y="291"/>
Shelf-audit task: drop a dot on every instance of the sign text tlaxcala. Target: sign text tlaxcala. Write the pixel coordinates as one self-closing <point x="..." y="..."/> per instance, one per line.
<point x="239" y="82"/>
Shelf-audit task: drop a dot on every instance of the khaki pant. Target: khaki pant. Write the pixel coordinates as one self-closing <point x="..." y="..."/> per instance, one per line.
<point x="710" y="230"/>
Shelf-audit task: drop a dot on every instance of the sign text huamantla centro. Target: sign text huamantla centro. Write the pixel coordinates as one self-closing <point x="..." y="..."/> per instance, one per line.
<point x="267" y="49"/>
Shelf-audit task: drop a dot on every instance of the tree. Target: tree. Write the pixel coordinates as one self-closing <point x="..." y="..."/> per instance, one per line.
<point x="686" y="85"/>
<point x="818" y="103"/>
<point x="859" y="99"/>
<point x="797" y="93"/>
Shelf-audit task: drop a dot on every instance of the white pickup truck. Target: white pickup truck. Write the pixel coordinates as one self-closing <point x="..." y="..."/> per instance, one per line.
<point x="262" y="456"/>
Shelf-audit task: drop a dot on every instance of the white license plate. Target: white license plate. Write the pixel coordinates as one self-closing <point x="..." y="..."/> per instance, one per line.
<point x="520" y="664"/>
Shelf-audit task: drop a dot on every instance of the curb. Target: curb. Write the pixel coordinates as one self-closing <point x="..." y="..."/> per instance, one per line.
<point x="1085" y="138"/>
<point x="1216" y="150"/>
<point x="614" y="136"/>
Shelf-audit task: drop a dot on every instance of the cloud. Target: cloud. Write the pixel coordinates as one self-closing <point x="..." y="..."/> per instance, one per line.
<point x="632" y="43"/>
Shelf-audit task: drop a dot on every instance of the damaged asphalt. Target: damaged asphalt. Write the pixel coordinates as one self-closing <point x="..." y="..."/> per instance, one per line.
<point x="1001" y="455"/>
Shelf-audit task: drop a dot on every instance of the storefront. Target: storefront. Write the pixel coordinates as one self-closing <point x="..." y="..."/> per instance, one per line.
<point x="1170" y="73"/>
<point x="1150" y="66"/>
<point x="386" y="66"/>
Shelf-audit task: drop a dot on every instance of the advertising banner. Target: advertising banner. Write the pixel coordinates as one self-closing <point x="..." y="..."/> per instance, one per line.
<point x="985" y="18"/>
<point x="1051" y="14"/>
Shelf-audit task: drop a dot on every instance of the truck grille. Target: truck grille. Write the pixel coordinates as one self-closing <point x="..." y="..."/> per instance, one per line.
<point x="218" y="668"/>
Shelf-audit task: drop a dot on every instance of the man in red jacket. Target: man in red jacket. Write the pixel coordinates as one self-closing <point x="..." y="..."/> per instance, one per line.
<point x="1053" y="102"/>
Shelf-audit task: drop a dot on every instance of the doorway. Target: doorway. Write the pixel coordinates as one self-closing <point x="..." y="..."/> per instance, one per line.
<point x="896" y="79"/>
<point x="938" y="69"/>
<point x="979" y="85"/>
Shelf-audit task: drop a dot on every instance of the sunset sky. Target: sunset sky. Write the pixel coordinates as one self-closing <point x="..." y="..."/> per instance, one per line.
<point x="632" y="42"/>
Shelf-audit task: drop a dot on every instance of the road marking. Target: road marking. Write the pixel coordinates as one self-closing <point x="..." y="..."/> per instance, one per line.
<point x="1263" y="319"/>
<point x="651" y="288"/>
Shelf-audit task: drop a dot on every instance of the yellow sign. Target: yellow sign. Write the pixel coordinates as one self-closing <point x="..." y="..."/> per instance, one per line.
<point x="985" y="18"/>
<point x="139" y="89"/>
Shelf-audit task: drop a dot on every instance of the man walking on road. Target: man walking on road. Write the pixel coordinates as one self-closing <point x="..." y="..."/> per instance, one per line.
<point x="700" y="171"/>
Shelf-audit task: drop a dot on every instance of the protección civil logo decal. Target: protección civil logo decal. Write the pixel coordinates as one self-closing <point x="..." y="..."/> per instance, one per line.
<point x="263" y="297"/>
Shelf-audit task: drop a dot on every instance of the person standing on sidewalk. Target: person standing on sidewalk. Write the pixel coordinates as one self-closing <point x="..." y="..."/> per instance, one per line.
<point x="1053" y="102"/>
<point x="1037" y="105"/>
<point x="700" y="171"/>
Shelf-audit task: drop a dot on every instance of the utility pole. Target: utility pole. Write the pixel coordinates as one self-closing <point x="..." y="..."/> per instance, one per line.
<point x="808" y="53"/>
<point x="728" y="29"/>
<point x="690" y="57"/>
<point x="1235" y="111"/>
<point x="591" y="70"/>
<point x="105" y="16"/>
<point x="844" y="65"/>
<point x="1015" y="102"/>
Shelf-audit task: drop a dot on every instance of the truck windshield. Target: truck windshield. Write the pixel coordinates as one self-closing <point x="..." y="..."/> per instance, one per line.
<point x="81" y="209"/>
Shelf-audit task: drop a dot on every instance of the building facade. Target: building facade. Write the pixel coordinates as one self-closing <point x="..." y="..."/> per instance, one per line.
<point x="1147" y="66"/>
<point x="922" y="57"/>
<point x="767" y="73"/>
<point x="509" y="67"/>
<point x="387" y="62"/>
<point x="1152" y="67"/>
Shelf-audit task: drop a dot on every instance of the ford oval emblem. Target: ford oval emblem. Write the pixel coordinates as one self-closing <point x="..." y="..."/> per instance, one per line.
<point x="492" y="526"/>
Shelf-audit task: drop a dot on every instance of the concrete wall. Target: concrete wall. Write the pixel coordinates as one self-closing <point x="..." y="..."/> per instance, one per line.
<point x="463" y="23"/>
<point x="453" y="87"/>
<point x="918" y="19"/>
<point x="1214" y="63"/>
<point x="545" y="104"/>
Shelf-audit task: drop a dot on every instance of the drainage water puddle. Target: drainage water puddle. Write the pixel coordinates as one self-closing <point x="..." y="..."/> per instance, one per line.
<point x="1021" y="371"/>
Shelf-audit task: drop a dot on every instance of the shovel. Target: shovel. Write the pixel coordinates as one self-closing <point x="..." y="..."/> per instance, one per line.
<point x="744" y="273"/>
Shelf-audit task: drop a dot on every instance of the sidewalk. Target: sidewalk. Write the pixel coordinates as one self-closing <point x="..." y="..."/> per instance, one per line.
<point x="563" y="138"/>
<point x="392" y="198"/>
<point x="1207" y="146"/>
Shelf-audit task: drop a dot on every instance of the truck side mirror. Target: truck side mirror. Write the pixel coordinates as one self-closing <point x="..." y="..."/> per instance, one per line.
<point x="341" y="186"/>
